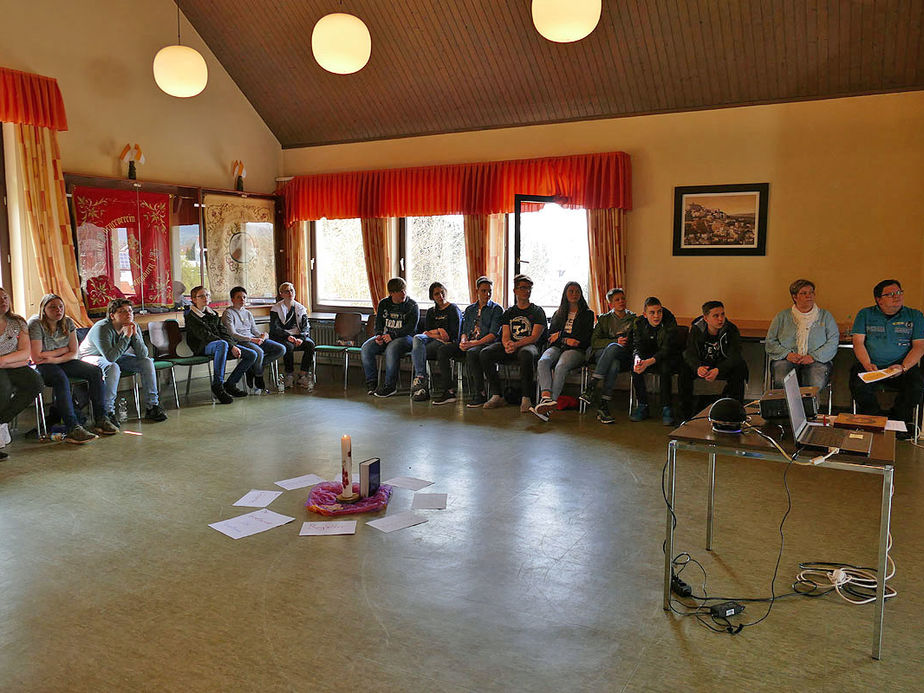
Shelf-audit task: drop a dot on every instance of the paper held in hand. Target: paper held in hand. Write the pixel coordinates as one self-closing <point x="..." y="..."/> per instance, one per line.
<point x="881" y="374"/>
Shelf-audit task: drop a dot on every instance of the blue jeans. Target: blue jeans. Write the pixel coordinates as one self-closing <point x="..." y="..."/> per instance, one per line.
<point x="562" y="361"/>
<point x="218" y="350"/>
<point x="424" y="349"/>
<point x="393" y="351"/>
<point x="56" y="377"/>
<point x="267" y="352"/>
<point x="610" y="360"/>
<point x="112" y="371"/>
<point x="815" y="374"/>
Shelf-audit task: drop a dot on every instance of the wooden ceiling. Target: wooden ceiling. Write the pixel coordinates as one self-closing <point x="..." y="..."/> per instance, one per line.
<point x="453" y="65"/>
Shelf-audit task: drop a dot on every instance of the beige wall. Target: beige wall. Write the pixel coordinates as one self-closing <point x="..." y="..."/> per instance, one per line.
<point x="101" y="52"/>
<point x="846" y="203"/>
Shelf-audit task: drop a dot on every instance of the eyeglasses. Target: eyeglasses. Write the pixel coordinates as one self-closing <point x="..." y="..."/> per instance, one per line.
<point x="893" y="294"/>
<point x="524" y="287"/>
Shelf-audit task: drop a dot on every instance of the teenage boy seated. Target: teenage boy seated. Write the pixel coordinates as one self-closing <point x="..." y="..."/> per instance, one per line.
<point x="289" y="326"/>
<point x="610" y="346"/>
<point x="654" y="350"/>
<point x="480" y="325"/>
<point x="889" y="335"/>
<point x="522" y="329"/>
<point x="207" y="336"/>
<point x="242" y="327"/>
<point x="713" y="352"/>
<point x="396" y="320"/>
<point x="108" y="344"/>
<point x="441" y="331"/>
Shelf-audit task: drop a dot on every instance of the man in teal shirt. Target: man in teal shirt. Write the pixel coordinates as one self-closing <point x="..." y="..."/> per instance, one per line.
<point x="889" y="335"/>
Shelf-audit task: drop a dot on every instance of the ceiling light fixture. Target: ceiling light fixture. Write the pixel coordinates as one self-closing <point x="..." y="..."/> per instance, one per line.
<point x="341" y="43"/>
<point x="566" y="21"/>
<point x="180" y="70"/>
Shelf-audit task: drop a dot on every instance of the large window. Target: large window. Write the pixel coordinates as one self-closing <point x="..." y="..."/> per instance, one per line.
<point x="339" y="265"/>
<point x="435" y="251"/>
<point x="552" y="251"/>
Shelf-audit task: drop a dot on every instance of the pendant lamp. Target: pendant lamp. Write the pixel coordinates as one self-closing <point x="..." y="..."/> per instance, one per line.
<point x="566" y="21"/>
<point x="341" y="43"/>
<point x="180" y="70"/>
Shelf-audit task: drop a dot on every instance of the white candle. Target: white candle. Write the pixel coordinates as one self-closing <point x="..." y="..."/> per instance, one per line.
<point x="346" y="465"/>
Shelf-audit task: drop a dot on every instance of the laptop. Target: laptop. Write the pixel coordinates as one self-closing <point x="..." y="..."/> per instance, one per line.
<point x="814" y="435"/>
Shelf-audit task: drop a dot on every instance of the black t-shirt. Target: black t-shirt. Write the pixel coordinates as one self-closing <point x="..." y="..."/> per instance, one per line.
<point x="522" y="320"/>
<point x="711" y="354"/>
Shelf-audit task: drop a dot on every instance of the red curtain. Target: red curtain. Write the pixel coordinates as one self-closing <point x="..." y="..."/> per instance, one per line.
<point x="31" y="100"/>
<point x="145" y="216"/>
<point x="587" y="181"/>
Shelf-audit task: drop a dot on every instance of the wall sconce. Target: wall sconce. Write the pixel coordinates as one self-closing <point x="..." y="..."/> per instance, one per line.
<point x="566" y="21"/>
<point x="131" y="154"/>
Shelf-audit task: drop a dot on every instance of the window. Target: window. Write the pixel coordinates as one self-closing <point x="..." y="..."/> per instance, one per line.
<point x="552" y="244"/>
<point x="434" y="251"/>
<point x="339" y="265"/>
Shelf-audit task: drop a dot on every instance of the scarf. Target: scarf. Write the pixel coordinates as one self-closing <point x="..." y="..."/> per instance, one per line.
<point x="804" y="322"/>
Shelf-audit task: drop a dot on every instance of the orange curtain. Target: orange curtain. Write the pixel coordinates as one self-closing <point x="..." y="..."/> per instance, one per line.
<point x="587" y="181"/>
<point x="379" y="251"/>
<point x="46" y="216"/>
<point x="31" y="100"/>
<point x="606" y="238"/>
<point x="484" y="251"/>
<point x="297" y="259"/>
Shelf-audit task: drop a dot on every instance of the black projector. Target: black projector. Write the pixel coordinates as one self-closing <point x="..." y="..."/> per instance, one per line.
<point x="773" y="404"/>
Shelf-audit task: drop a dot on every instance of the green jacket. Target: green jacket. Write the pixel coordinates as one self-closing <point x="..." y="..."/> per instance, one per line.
<point x="609" y="327"/>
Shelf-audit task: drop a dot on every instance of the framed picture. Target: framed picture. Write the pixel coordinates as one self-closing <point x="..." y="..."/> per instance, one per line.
<point x="721" y="219"/>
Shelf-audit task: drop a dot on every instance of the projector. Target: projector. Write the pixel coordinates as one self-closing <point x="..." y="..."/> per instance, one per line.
<point x="773" y="404"/>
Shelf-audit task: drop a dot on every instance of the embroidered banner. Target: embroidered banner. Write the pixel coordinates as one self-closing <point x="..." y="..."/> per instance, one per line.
<point x="240" y="243"/>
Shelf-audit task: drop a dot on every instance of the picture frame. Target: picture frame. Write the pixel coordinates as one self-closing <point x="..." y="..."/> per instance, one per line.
<point x="721" y="219"/>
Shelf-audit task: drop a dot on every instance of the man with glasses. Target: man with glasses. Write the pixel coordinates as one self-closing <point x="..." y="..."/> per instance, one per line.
<point x="115" y="343"/>
<point x="523" y="326"/>
<point x="890" y="336"/>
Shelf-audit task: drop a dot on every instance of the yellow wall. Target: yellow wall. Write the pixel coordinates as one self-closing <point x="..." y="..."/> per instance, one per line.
<point x="101" y="52"/>
<point x="846" y="203"/>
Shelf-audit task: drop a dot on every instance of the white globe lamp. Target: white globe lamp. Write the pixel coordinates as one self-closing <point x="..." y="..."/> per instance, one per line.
<point x="341" y="43"/>
<point x="566" y="21"/>
<point x="180" y="71"/>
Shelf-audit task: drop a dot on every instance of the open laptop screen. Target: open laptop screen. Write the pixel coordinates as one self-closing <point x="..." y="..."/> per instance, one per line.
<point x="794" y="403"/>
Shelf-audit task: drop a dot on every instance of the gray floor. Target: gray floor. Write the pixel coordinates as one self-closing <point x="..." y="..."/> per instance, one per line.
<point x="544" y="573"/>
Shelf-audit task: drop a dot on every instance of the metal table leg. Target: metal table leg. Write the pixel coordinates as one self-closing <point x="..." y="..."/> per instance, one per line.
<point x="669" y="531"/>
<point x="710" y="503"/>
<point x="884" y="521"/>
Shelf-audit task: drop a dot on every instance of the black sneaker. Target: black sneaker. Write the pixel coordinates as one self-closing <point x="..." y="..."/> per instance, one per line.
<point x="113" y="419"/>
<point x="477" y="401"/>
<point x="447" y="397"/>
<point x="234" y="390"/>
<point x="386" y="391"/>
<point x="259" y="383"/>
<point x="587" y="397"/>
<point x="419" y="391"/>
<point x="603" y="414"/>
<point x="371" y="387"/>
<point x="155" y="413"/>
<point x="223" y="397"/>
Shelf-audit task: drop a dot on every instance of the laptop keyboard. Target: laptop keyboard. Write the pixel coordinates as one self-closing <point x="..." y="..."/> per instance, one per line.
<point x="819" y="435"/>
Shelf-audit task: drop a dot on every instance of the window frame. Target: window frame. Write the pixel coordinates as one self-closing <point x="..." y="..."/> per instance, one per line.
<point x="316" y="305"/>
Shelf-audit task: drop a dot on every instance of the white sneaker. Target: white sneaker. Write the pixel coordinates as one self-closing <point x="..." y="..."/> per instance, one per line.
<point x="5" y="437"/>
<point x="305" y="382"/>
<point x="290" y="381"/>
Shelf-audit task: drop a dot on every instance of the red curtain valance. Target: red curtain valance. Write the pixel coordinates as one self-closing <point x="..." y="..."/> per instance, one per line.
<point x="31" y="100"/>
<point x="587" y="181"/>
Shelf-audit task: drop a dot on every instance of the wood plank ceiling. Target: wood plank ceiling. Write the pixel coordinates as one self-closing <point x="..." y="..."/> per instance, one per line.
<point x="453" y="65"/>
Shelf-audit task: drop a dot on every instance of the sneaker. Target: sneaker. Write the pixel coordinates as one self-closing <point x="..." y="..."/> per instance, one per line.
<point x="587" y="397"/>
<point x="79" y="435"/>
<point x="113" y="419"/>
<point x="640" y="413"/>
<point x="603" y="414"/>
<point x="525" y="404"/>
<point x="495" y="402"/>
<point x="371" y="387"/>
<point x="447" y="397"/>
<point x="477" y="401"/>
<point x="419" y="389"/>
<point x="667" y="416"/>
<point x="104" y="427"/>
<point x="289" y="381"/>
<point x="155" y="413"/>
<point x="234" y="390"/>
<point x="305" y="382"/>
<point x="539" y="414"/>
<point x="546" y="404"/>
<point x="259" y="384"/>
<point x="5" y="437"/>
<point x="386" y="391"/>
<point x="223" y="397"/>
